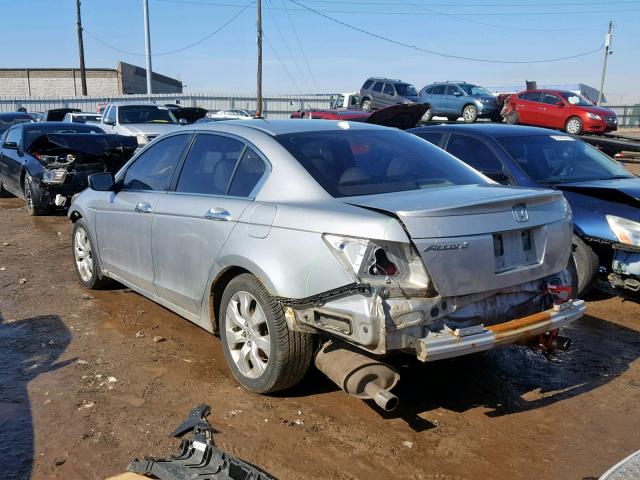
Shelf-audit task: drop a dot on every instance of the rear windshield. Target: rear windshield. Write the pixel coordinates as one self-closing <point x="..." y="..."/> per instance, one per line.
<point x="553" y="159"/>
<point x="406" y="90"/>
<point x="367" y="162"/>
<point x="145" y="114"/>
<point x="30" y="134"/>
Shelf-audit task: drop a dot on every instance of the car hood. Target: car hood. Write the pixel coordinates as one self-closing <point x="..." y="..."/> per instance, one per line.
<point x="402" y="116"/>
<point x="623" y="190"/>
<point x="604" y="112"/>
<point x="149" y="128"/>
<point x="454" y="210"/>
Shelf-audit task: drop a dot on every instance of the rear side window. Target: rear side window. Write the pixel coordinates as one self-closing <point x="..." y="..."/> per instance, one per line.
<point x="438" y="90"/>
<point x="367" y="84"/>
<point x="473" y="152"/>
<point x="530" y="96"/>
<point x="377" y="87"/>
<point x="431" y="137"/>
<point x="154" y="168"/>
<point x="388" y="89"/>
<point x="249" y="172"/>
<point x="209" y="165"/>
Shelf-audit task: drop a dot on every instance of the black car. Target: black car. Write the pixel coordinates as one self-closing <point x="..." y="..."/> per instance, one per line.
<point x="603" y="195"/>
<point x="46" y="163"/>
<point x="7" y="119"/>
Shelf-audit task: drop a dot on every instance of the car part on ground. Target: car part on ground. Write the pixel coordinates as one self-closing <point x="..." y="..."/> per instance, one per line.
<point x="379" y="92"/>
<point x="334" y="230"/>
<point x="604" y="197"/>
<point x="198" y="458"/>
<point x="558" y="109"/>
<point x="459" y="99"/>
<point x="358" y="374"/>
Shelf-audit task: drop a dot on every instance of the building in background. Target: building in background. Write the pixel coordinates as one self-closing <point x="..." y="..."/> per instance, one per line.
<point x="126" y="79"/>
<point x="585" y="90"/>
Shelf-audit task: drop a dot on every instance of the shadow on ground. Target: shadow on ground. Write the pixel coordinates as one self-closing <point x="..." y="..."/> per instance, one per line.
<point x="28" y="348"/>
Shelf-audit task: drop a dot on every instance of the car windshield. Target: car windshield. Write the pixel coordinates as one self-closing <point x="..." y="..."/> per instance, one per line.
<point x="474" y="90"/>
<point x="30" y="134"/>
<point x="145" y="114"/>
<point x="367" y="162"/>
<point x="86" y="118"/>
<point x="553" y="159"/>
<point x="405" y="90"/>
<point x="576" y="99"/>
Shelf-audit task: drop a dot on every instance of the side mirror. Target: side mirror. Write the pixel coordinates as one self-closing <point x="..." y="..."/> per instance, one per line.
<point x="108" y="121"/>
<point x="183" y="121"/>
<point x="560" y="104"/>
<point x="101" y="182"/>
<point x="10" y="145"/>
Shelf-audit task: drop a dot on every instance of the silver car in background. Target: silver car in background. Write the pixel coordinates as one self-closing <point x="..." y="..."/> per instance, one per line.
<point x="337" y="241"/>
<point x="145" y="121"/>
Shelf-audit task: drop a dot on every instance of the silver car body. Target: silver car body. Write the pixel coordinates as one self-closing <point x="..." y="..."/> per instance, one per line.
<point x="145" y="132"/>
<point x="455" y="298"/>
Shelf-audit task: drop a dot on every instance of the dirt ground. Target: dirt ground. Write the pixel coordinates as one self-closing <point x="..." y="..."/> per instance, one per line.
<point x="82" y="392"/>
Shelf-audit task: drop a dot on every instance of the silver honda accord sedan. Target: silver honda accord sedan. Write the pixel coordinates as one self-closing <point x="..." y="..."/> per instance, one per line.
<point x="339" y="242"/>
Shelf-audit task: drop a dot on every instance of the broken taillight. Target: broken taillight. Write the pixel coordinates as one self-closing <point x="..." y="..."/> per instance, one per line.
<point x="381" y="265"/>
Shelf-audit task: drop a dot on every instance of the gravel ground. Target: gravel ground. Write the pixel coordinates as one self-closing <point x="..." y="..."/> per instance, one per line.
<point x="84" y="389"/>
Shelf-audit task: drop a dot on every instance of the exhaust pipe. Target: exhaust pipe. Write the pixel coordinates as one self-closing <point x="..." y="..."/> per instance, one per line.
<point x="358" y="374"/>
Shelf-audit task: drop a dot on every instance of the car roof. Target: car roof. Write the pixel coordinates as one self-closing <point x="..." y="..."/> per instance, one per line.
<point x="488" y="130"/>
<point x="547" y="90"/>
<point x="38" y="125"/>
<point x="280" y="127"/>
<point x="388" y="80"/>
<point x="136" y="104"/>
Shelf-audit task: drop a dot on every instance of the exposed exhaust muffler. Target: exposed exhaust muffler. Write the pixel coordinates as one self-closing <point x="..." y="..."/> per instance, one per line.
<point x="358" y="374"/>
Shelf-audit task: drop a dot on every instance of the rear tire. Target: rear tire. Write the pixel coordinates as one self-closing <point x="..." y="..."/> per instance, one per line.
<point x="252" y="322"/>
<point x="512" y="118"/>
<point x="366" y="105"/>
<point x="573" y="126"/>
<point x="586" y="263"/>
<point x="469" y="114"/>
<point x="33" y="198"/>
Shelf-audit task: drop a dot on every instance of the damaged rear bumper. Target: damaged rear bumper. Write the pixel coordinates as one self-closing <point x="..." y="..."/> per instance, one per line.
<point x="448" y="344"/>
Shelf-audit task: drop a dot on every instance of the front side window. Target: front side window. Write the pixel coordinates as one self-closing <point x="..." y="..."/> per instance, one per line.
<point x="550" y="99"/>
<point x="475" y="90"/>
<point x="473" y="152"/>
<point x="144" y="114"/>
<point x="367" y="162"/>
<point x="452" y="89"/>
<point x="154" y="168"/>
<point x="554" y="159"/>
<point x="388" y="89"/>
<point x="209" y="165"/>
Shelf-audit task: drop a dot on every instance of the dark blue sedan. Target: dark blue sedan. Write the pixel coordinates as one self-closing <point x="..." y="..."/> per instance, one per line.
<point x="604" y="196"/>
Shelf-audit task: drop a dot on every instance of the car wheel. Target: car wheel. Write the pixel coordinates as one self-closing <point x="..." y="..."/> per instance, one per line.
<point x="262" y="353"/>
<point x="573" y="126"/>
<point x="586" y="264"/>
<point x="85" y="260"/>
<point x="512" y="118"/>
<point x="32" y="197"/>
<point x="470" y="113"/>
<point x="428" y="115"/>
<point x="3" y="192"/>
<point x="366" y="105"/>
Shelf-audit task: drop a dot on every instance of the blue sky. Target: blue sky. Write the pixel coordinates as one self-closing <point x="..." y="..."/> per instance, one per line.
<point x="339" y="58"/>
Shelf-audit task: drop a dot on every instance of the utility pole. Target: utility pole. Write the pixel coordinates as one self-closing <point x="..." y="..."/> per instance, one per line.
<point x="83" y="71"/>
<point x="147" y="45"/>
<point x="259" y="87"/>
<point x="607" y="52"/>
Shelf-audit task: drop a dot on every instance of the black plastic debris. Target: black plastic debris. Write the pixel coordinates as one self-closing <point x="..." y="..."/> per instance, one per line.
<point x="198" y="458"/>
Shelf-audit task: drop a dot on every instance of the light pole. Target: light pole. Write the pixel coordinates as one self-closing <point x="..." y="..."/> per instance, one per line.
<point x="147" y="45"/>
<point x="259" y="79"/>
<point x="83" y="71"/>
<point x="607" y="52"/>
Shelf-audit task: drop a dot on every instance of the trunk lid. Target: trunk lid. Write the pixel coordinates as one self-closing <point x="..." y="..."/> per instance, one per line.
<point x="477" y="238"/>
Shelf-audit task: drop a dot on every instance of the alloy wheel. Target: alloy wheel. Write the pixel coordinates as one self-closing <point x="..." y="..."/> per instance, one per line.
<point x="247" y="334"/>
<point x="469" y="113"/>
<point x="573" y="126"/>
<point x="27" y="195"/>
<point x="83" y="255"/>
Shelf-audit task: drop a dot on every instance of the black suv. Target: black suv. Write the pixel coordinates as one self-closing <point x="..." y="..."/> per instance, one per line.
<point x="383" y="92"/>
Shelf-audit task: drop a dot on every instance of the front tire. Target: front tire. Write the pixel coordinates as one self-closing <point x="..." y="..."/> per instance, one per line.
<point x="262" y="353"/>
<point x="573" y="126"/>
<point x="586" y="264"/>
<point x="85" y="259"/>
<point x="33" y="198"/>
<point x="470" y="114"/>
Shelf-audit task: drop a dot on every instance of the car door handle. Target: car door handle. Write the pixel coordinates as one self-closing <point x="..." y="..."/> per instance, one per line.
<point x="542" y="108"/>
<point x="143" y="207"/>
<point x="218" y="214"/>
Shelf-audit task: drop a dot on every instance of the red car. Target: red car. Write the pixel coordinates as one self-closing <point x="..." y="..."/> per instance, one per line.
<point x="559" y="109"/>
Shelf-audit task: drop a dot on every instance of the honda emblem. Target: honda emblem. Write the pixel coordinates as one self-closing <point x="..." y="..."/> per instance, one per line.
<point x="520" y="212"/>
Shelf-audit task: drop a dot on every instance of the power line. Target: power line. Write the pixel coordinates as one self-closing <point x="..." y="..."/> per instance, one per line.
<point x="476" y="5"/>
<point x="293" y="58"/>
<point x="442" y="54"/>
<point x="182" y="49"/>
<point x="284" y="67"/>
<point x="304" y="55"/>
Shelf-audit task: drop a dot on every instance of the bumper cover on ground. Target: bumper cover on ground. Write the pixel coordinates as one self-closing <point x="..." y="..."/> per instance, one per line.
<point x="476" y="339"/>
